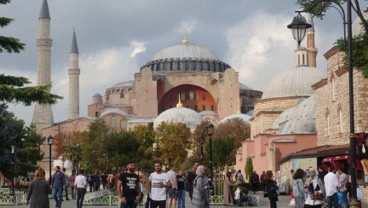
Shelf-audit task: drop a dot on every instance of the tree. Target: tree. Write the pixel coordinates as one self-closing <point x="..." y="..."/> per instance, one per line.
<point x="360" y="43"/>
<point x="26" y="143"/>
<point x="174" y="142"/>
<point x="248" y="167"/>
<point x="222" y="149"/>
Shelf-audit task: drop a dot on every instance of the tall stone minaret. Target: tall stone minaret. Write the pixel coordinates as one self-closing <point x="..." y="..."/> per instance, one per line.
<point x="42" y="116"/>
<point x="312" y="50"/>
<point x="73" y="72"/>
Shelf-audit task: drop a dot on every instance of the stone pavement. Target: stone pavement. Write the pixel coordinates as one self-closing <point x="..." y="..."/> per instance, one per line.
<point x="264" y="203"/>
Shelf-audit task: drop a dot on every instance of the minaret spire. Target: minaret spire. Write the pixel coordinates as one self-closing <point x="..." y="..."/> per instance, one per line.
<point x="42" y="116"/>
<point x="73" y="73"/>
<point x="311" y="47"/>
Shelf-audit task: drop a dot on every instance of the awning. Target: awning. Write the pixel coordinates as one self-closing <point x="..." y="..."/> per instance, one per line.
<point x="337" y="161"/>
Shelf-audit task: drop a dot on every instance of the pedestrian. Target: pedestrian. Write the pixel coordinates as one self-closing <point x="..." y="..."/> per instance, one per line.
<point x="315" y="197"/>
<point x="201" y="196"/>
<point x="239" y="177"/>
<point x="172" y="193"/>
<point x="191" y="175"/>
<point x="38" y="191"/>
<point x="129" y="190"/>
<point x="321" y="173"/>
<point x="96" y="182"/>
<point x="331" y="185"/>
<point x="254" y="179"/>
<point x="90" y="180"/>
<point x="343" y="180"/>
<point x="237" y="196"/>
<point x="157" y="184"/>
<point x="181" y="189"/>
<point x="66" y="184"/>
<point x="298" y="188"/>
<point x="271" y="189"/>
<point x="262" y="181"/>
<point x="104" y="180"/>
<point x="71" y="181"/>
<point x="80" y="185"/>
<point x="228" y="196"/>
<point x="58" y="184"/>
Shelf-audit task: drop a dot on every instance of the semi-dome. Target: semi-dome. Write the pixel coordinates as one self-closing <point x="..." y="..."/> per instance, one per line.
<point x="186" y="56"/>
<point x="295" y="82"/>
<point x="179" y="114"/>
<point x="241" y="116"/>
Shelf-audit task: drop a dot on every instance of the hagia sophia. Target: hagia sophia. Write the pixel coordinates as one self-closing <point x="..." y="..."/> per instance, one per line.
<point x="300" y="120"/>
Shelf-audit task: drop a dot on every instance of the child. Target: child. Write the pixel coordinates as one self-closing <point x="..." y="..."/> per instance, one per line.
<point x="237" y="196"/>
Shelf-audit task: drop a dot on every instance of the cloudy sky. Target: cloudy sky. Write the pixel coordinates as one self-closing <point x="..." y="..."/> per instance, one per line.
<point x="115" y="38"/>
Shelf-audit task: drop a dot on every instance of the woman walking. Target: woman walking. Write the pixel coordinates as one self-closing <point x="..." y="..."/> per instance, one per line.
<point x="271" y="189"/>
<point x="228" y="197"/>
<point x="39" y="190"/>
<point x="298" y="188"/>
<point x="201" y="196"/>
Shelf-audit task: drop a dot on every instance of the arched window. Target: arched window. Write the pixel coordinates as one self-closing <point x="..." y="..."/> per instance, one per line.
<point x="212" y="108"/>
<point x="328" y="123"/>
<point x="113" y="121"/>
<point x="341" y="121"/>
<point x="196" y="107"/>
<point x="203" y="107"/>
<point x="123" y="124"/>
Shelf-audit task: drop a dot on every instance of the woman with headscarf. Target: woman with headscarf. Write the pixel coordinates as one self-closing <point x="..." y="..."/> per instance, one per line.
<point x="200" y="189"/>
<point x="228" y="197"/>
<point x="315" y="191"/>
<point x="39" y="190"/>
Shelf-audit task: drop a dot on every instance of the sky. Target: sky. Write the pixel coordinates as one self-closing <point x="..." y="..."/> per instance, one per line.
<point x="116" y="37"/>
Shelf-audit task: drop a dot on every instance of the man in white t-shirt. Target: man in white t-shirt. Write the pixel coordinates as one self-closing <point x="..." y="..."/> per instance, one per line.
<point x="331" y="184"/>
<point x="157" y="184"/>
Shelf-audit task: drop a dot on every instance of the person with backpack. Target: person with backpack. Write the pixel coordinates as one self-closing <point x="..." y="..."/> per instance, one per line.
<point x="90" y="179"/>
<point x="201" y="186"/>
<point x="189" y="179"/>
<point x="271" y="189"/>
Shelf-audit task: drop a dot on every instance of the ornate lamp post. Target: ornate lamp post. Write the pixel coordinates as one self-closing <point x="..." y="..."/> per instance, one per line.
<point x="50" y="142"/>
<point x="13" y="167"/>
<point x="209" y="130"/>
<point x="201" y="142"/>
<point x="76" y="166"/>
<point x="353" y="139"/>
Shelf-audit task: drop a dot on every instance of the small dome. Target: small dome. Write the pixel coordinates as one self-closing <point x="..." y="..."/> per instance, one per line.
<point x="295" y="82"/>
<point x="241" y="116"/>
<point x="179" y="115"/>
<point x="299" y="119"/>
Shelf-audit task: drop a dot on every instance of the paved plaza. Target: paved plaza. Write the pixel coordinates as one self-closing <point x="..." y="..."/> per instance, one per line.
<point x="264" y="203"/>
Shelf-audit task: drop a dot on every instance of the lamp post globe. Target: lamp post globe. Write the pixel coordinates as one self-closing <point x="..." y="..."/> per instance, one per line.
<point x="299" y="27"/>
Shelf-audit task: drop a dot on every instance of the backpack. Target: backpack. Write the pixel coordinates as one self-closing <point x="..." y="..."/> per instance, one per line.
<point x="271" y="189"/>
<point x="89" y="179"/>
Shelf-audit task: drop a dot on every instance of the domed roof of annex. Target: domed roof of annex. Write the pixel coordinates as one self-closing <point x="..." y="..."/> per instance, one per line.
<point x="295" y="82"/>
<point x="179" y="114"/>
<point x="186" y="56"/>
<point x="241" y="116"/>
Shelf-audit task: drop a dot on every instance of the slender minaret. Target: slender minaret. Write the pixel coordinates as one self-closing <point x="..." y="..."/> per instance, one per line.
<point x="73" y="73"/>
<point x="42" y="116"/>
<point x="312" y="50"/>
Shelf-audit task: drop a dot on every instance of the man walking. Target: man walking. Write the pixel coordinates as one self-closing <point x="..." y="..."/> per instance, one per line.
<point x="157" y="184"/>
<point x="128" y="187"/>
<point x="66" y="184"/>
<point x="71" y="181"/>
<point x="58" y="183"/>
<point x="254" y="180"/>
<point x="172" y="192"/>
<point x="191" y="175"/>
<point x="80" y="184"/>
<point x="343" y="180"/>
<point x="331" y="184"/>
<point x="181" y="189"/>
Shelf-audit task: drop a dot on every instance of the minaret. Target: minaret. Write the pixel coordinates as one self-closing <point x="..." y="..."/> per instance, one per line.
<point x="42" y="116"/>
<point x="73" y="73"/>
<point x="312" y="50"/>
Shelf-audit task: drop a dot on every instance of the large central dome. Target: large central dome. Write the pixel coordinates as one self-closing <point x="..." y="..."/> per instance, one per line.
<point x="186" y="56"/>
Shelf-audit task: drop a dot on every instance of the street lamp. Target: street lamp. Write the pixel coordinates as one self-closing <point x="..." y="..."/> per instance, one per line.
<point x="50" y="141"/>
<point x="353" y="140"/>
<point x="13" y="167"/>
<point x="299" y="27"/>
<point x="76" y="166"/>
<point x="209" y="130"/>
<point x="201" y="142"/>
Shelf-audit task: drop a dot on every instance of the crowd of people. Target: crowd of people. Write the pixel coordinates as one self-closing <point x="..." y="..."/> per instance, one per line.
<point x="317" y="188"/>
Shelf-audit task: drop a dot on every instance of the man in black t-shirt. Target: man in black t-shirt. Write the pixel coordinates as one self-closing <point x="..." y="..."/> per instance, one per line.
<point x="181" y="189"/>
<point x="128" y="187"/>
<point x="191" y="175"/>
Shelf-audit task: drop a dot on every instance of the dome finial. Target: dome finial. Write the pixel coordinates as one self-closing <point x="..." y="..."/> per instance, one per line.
<point x="185" y="39"/>
<point x="179" y="105"/>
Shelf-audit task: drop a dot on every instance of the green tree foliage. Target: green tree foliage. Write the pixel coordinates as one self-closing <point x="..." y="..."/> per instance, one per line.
<point x="360" y="43"/>
<point x="248" y="167"/>
<point x="222" y="149"/>
<point x="173" y="142"/>
<point x="26" y="144"/>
